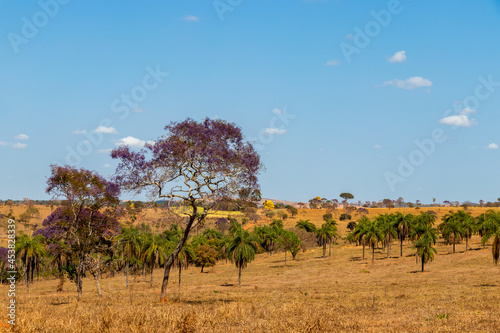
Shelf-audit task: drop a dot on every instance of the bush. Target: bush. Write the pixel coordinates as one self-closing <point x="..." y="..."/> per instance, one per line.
<point x="345" y="217"/>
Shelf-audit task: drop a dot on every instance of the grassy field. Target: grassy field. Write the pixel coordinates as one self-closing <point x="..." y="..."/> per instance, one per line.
<point x="457" y="293"/>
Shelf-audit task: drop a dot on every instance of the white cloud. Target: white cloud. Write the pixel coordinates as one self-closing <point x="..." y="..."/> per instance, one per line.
<point x="21" y="137"/>
<point x="107" y="165"/>
<point x="132" y="142"/>
<point x="333" y="63"/>
<point x="3" y="144"/>
<point x="461" y="120"/>
<point x="492" y="146"/>
<point x="79" y="131"/>
<point x="272" y="130"/>
<point x="399" y="56"/>
<point x="19" y="145"/>
<point x="277" y="111"/>
<point x="191" y="18"/>
<point x="377" y="147"/>
<point x="105" y="130"/>
<point x="410" y="83"/>
<point x="104" y="151"/>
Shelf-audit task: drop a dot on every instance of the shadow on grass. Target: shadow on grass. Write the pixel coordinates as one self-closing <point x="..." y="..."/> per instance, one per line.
<point x="486" y="285"/>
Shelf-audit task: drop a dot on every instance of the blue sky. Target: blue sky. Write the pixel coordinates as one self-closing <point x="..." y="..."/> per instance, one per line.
<point x="383" y="99"/>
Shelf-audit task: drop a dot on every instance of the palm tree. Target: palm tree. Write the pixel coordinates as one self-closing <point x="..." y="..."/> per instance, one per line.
<point x="212" y="234"/>
<point x="373" y="235"/>
<point x="155" y="248"/>
<point x="452" y="228"/>
<point x="360" y="231"/>
<point x="129" y="245"/>
<point x="186" y="254"/>
<point x="403" y="223"/>
<point x="425" y="250"/>
<point x="30" y="250"/>
<point x="325" y="235"/>
<point x="468" y="225"/>
<point x="388" y="228"/>
<point x="306" y="225"/>
<point x="492" y="229"/>
<point x="242" y="249"/>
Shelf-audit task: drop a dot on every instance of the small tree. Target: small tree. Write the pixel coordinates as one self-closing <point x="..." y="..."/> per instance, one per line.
<point x="205" y="256"/>
<point x="290" y="243"/>
<point x="268" y="204"/>
<point x="242" y="249"/>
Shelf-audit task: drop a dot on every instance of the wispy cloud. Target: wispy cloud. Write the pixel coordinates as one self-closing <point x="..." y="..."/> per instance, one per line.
<point x="132" y="142"/>
<point x="191" y="18"/>
<point x="399" y="56"/>
<point x="333" y="63"/>
<point x="492" y="146"/>
<point x="273" y="130"/>
<point x="19" y="145"/>
<point x="105" y="130"/>
<point x="467" y="110"/>
<point x="21" y="137"/>
<point x="107" y="165"/>
<point x="377" y="147"/>
<point x="410" y="83"/>
<point x="79" y="131"/>
<point x="4" y="144"/>
<point x="461" y="120"/>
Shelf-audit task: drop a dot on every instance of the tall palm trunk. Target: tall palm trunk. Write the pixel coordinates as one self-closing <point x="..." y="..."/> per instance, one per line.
<point x="180" y="267"/>
<point x="401" y="239"/>
<point x="422" y="263"/>
<point x="152" y="270"/>
<point x="285" y="257"/>
<point x="466" y="243"/>
<point x="373" y="253"/>
<point x="324" y="249"/>
<point x="126" y="273"/>
<point x="330" y="248"/>
<point x="239" y="277"/>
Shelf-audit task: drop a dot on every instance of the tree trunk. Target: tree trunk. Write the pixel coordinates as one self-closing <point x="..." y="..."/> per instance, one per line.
<point x="202" y="268"/>
<point x="152" y="270"/>
<point x="373" y="253"/>
<point x="324" y="250"/>
<point x="173" y="256"/>
<point x="144" y="272"/>
<point x="401" y="247"/>
<point x="363" y="250"/>
<point x="285" y="257"/>
<point x="422" y="263"/>
<point x="180" y="267"/>
<point x="80" y="270"/>
<point x="126" y="273"/>
<point x="453" y="245"/>
<point x="96" y="277"/>
<point x="239" y="277"/>
<point x="330" y="249"/>
<point x="466" y="243"/>
<point x="388" y="249"/>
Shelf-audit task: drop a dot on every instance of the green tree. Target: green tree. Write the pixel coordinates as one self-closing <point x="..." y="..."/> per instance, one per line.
<point x="452" y="228"/>
<point x="360" y="232"/>
<point x="242" y="249"/>
<point x="492" y="230"/>
<point x="403" y="223"/>
<point x="205" y="256"/>
<point x="30" y="250"/>
<point x="325" y="235"/>
<point x="373" y="235"/>
<point x="306" y="225"/>
<point x="388" y="229"/>
<point x="425" y="250"/>
<point x="290" y="243"/>
<point x="155" y="249"/>
<point x="128" y="243"/>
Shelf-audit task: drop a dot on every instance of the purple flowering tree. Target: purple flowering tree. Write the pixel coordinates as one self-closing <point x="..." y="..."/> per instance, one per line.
<point x="199" y="163"/>
<point x="86" y="222"/>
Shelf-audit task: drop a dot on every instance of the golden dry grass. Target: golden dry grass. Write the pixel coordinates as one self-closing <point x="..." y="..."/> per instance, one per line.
<point x="457" y="293"/>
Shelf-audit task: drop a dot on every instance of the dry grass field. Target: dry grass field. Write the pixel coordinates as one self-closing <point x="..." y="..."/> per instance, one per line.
<point x="457" y="293"/>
